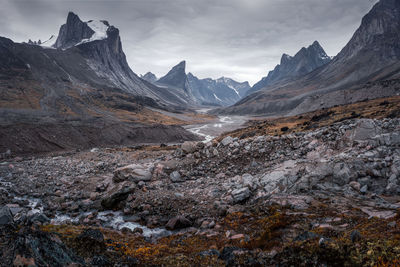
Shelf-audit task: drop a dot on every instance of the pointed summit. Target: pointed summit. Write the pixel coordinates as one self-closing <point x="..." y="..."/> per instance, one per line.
<point x="150" y="77"/>
<point x="305" y="61"/>
<point x="176" y="76"/>
<point x="73" y="32"/>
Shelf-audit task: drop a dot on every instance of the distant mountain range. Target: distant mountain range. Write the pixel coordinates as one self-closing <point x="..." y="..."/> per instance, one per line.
<point x="367" y="67"/>
<point x="204" y="92"/>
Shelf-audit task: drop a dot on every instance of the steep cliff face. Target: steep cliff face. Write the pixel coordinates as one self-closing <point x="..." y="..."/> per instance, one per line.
<point x="379" y="32"/>
<point x="305" y="61"/>
<point x="73" y="32"/>
<point x="176" y="77"/>
<point x="372" y="55"/>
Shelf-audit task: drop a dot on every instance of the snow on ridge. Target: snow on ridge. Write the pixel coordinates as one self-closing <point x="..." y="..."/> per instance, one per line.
<point x="50" y="42"/>
<point x="227" y="82"/>
<point x="100" y="31"/>
<point x="217" y="97"/>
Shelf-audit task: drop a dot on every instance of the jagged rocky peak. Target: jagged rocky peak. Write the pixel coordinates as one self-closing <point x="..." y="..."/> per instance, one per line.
<point x="176" y="76"/>
<point x="305" y="61"/>
<point x="75" y="32"/>
<point x="379" y="31"/>
<point x="149" y="76"/>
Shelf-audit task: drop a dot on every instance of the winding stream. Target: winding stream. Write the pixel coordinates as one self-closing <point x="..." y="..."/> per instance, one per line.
<point x="213" y="129"/>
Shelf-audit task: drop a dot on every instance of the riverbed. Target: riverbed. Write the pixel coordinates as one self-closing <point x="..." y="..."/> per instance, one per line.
<point x="215" y="128"/>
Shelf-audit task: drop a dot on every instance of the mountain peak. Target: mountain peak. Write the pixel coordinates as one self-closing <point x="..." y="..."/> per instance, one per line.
<point x="305" y="61"/>
<point x="181" y="65"/>
<point x="149" y="76"/>
<point x="75" y="31"/>
<point x="176" y="76"/>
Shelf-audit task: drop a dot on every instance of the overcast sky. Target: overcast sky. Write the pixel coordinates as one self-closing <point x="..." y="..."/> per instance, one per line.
<point x="241" y="39"/>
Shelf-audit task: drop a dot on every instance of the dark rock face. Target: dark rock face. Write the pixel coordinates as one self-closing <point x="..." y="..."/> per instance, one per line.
<point x="366" y="68"/>
<point x="72" y="32"/>
<point x="150" y="77"/>
<point x="176" y="76"/>
<point x="305" y="61"/>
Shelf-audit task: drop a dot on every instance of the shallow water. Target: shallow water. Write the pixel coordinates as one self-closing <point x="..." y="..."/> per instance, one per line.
<point x="114" y="220"/>
<point x="213" y="129"/>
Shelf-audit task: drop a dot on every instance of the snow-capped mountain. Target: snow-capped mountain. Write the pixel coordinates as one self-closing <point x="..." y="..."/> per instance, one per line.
<point x="305" y="61"/>
<point x="220" y="92"/>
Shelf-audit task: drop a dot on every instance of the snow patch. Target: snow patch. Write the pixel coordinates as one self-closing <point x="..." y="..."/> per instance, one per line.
<point x="217" y="97"/>
<point x="50" y="42"/>
<point x="100" y="31"/>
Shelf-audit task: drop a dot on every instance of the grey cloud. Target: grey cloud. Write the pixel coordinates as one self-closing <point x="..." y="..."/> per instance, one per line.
<point x="242" y="39"/>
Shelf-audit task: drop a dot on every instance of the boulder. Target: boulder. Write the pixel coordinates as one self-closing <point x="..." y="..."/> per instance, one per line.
<point x="111" y="200"/>
<point x="133" y="172"/>
<point x="178" y="222"/>
<point x="227" y="140"/>
<point x="240" y="195"/>
<point x="176" y="177"/>
<point x="365" y="129"/>
<point x="6" y="217"/>
<point x="189" y="147"/>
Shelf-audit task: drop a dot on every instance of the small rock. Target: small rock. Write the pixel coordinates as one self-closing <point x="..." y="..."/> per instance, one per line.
<point x="238" y="236"/>
<point x="176" y="177"/>
<point x="355" y="185"/>
<point x="355" y="236"/>
<point x="364" y="189"/>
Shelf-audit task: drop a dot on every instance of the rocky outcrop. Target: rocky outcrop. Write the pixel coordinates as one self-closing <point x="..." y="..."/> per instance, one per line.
<point x="305" y="61"/>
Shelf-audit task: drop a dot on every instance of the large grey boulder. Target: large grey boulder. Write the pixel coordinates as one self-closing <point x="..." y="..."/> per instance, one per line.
<point x="241" y="194"/>
<point x="227" y="140"/>
<point x="365" y="129"/>
<point x="133" y="172"/>
<point x="189" y="147"/>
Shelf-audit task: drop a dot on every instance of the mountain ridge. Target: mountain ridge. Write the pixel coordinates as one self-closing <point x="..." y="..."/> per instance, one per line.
<point x="345" y="79"/>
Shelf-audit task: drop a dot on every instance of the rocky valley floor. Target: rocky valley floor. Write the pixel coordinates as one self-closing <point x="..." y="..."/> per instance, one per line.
<point x="323" y="196"/>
